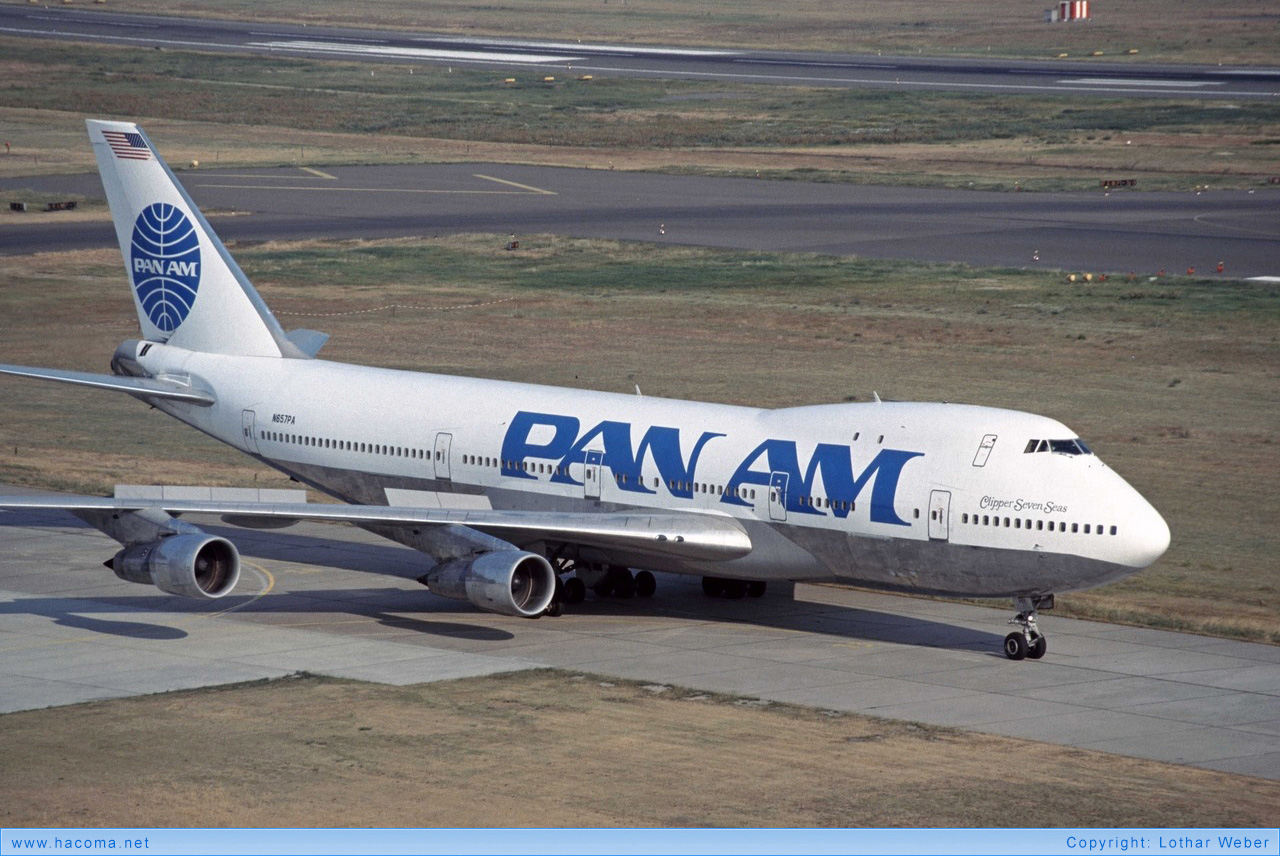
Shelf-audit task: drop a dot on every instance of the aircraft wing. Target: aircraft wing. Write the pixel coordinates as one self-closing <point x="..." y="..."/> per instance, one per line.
<point x="685" y="536"/>
<point x="140" y="386"/>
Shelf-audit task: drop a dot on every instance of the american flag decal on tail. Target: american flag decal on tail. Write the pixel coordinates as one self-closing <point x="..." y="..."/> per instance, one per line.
<point x="127" y="145"/>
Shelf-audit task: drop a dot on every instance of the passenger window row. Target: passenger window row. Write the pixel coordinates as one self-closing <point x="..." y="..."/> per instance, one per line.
<point x="522" y="466"/>
<point x="525" y="466"/>
<point x="825" y="502"/>
<point x="620" y="478"/>
<point x="343" y="445"/>
<point x="1038" y="525"/>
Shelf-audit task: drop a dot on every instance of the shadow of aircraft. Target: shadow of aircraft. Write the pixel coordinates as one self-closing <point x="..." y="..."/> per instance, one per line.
<point x="677" y="597"/>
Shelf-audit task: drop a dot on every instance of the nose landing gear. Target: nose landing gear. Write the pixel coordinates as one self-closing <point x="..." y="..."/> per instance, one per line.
<point x="1028" y="642"/>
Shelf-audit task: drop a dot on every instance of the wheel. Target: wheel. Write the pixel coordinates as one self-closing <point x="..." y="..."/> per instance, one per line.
<point x="1015" y="646"/>
<point x="604" y="588"/>
<point x="575" y="590"/>
<point x="624" y="585"/>
<point x="712" y="586"/>
<point x="646" y="584"/>
<point x="756" y="588"/>
<point x="556" y="609"/>
<point x="1038" y="647"/>
<point x="735" y="589"/>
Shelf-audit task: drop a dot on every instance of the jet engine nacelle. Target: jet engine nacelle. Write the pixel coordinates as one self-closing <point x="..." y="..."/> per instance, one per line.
<point x="192" y="565"/>
<point x="509" y="582"/>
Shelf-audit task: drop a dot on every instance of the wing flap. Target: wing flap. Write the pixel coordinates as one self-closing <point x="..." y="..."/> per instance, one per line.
<point x="685" y="536"/>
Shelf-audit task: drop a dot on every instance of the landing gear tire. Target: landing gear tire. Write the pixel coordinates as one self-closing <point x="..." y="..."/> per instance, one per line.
<point x="624" y="585"/>
<point x="1015" y="645"/>
<point x="604" y="588"/>
<point x="646" y="584"/>
<point x="1038" y="648"/>
<point x="1028" y="641"/>
<point x="575" y="590"/>
<point x="732" y="589"/>
<point x="756" y="588"/>
<point x="556" y="608"/>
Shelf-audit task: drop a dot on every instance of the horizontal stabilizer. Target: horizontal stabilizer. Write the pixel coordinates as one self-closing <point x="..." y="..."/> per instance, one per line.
<point x="686" y="536"/>
<point x="140" y="387"/>
<point x="308" y="341"/>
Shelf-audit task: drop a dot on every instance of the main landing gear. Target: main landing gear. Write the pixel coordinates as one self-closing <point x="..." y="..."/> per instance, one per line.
<point x="602" y="580"/>
<point x="1029" y="641"/>
<point x="616" y="581"/>
<point x="733" y="589"/>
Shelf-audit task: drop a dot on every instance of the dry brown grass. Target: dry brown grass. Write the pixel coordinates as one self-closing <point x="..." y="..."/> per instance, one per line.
<point x="551" y="749"/>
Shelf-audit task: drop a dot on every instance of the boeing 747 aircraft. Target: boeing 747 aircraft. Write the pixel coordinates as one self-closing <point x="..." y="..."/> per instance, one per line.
<point x="526" y="496"/>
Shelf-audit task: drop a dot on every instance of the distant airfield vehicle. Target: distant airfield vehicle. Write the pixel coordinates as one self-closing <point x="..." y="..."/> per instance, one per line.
<point x="526" y="496"/>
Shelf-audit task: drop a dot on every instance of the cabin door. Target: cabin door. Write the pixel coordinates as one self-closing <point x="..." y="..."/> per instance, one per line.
<point x="591" y="473"/>
<point x="940" y="515"/>
<point x="778" y="496"/>
<point x="247" y="429"/>
<point x="444" y="443"/>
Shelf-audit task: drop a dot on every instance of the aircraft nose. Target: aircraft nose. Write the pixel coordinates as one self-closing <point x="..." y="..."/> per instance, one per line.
<point x="1150" y="537"/>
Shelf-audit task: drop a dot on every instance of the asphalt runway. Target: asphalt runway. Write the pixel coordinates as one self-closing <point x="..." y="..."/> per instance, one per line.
<point x="337" y="601"/>
<point x="1117" y="232"/>
<point x="1093" y="78"/>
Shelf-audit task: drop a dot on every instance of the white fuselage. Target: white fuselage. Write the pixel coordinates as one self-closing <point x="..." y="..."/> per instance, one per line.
<point x="940" y="498"/>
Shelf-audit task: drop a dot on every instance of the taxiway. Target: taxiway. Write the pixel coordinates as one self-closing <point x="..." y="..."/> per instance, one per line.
<point x="337" y="601"/>
<point x="1117" y="232"/>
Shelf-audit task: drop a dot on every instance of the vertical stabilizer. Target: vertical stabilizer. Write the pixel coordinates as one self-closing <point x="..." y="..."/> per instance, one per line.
<point x="187" y="289"/>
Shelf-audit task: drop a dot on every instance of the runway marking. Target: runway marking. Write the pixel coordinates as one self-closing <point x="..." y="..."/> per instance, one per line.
<point x="629" y="50"/>
<point x="318" y="173"/>
<point x="880" y="81"/>
<point x="529" y="192"/>
<point x="1124" y="81"/>
<point x="269" y="583"/>
<point x="326" y="623"/>
<point x="1200" y="218"/>
<point x="412" y="53"/>
<point x="517" y="184"/>
<point x="263" y="177"/>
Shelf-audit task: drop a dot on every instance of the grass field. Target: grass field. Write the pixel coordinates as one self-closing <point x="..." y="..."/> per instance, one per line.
<point x="1211" y="31"/>
<point x="550" y="749"/>
<point x="1172" y="382"/>
<point x="231" y="110"/>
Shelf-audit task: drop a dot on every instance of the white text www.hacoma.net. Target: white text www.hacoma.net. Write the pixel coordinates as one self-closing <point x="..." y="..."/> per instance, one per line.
<point x="80" y="843"/>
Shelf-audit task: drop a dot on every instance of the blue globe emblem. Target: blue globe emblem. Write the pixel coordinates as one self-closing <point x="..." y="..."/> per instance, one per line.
<point x="165" y="264"/>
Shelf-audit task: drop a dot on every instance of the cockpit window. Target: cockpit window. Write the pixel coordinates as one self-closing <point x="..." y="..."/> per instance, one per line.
<point x="1074" y="446"/>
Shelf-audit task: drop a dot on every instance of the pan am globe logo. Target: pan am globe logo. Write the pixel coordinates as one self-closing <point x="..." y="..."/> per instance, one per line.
<point x="165" y="264"/>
